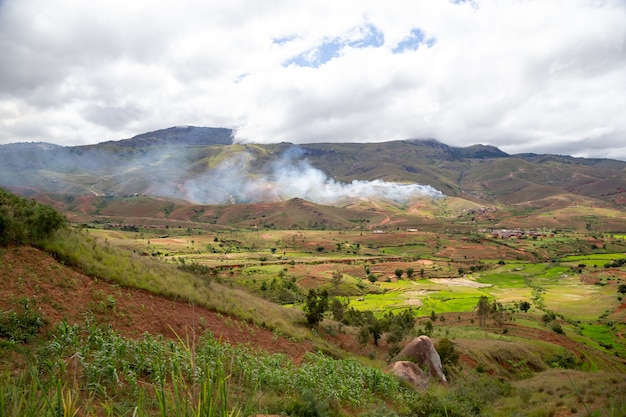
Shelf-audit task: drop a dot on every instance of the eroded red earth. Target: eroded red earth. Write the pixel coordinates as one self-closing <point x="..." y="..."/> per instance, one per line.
<point x="63" y="293"/>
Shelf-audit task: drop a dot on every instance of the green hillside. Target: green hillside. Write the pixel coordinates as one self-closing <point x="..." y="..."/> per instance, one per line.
<point x="212" y="318"/>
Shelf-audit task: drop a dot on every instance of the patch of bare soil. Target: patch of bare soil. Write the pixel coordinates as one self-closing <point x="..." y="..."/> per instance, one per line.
<point x="459" y="282"/>
<point x="63" y="293"/>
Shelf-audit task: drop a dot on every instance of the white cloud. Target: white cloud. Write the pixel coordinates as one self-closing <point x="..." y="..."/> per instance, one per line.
<point x="527" y="76"/>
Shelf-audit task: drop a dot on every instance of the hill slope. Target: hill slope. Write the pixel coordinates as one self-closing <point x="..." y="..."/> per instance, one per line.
<point x="59" y="292"/>
<point x="202" y="165"/>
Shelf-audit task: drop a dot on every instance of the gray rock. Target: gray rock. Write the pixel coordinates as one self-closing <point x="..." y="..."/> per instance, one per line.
<point x="409" y="372"/>
<point x="422" y="351"/>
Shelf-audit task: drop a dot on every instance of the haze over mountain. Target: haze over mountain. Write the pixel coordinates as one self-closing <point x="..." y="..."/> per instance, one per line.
<point x="205" y="166"/>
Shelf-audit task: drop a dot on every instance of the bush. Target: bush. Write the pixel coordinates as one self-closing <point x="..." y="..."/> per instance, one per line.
<point x="476" y="391"/>
<point x="25" y="221"/>
<point x="448" y="354"/>
<point x="564" y="359"/>
<point x="22" y="326"/>
<point x="556" y="327"/>
<point x="315" y="306"/>
<point x="308" y="406"/>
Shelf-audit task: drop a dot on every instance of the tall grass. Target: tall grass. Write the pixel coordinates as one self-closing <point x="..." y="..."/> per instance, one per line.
<point x="98" y="259"/>
<point x="90" y="369"/>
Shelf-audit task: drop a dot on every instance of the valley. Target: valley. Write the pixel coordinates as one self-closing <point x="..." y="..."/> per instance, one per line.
<point x="133" y="298"/>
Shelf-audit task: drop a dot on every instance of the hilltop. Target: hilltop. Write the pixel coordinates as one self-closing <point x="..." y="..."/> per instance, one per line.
<point x="189" y="175"/>
<point x="199" y="164"/>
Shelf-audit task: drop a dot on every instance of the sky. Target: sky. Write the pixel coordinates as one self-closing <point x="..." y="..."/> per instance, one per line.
<point x="543" y="76"/>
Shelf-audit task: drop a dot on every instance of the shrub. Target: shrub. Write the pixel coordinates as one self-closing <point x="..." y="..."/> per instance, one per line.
<point x="448" y="354"/>
<point x="21" y="326"/>
<point x="308" y="406"/>
<point x="563" y="359"/>
<point x="476" y="391"/>
<point x="316" y="305"/>
<point x="25" y="221"/>
<point x="556" y="327"/>
<point x="524" y="393"/>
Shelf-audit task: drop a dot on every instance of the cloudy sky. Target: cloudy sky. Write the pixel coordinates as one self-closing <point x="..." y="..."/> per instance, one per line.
<point x="544" y="76"/>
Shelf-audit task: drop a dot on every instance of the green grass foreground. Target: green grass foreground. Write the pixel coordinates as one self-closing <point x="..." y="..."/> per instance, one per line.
<point x="91" y="370"/>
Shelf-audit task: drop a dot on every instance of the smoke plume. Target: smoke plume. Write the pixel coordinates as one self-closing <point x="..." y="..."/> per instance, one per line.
<point x="289" y="177"/>
<point x="175" y="171"/>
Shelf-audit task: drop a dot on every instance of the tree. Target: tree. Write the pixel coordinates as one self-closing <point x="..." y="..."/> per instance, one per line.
<point x="398" y="272"/>
<point x="448" y="354"/>
<point x="337" y="278"/>
<point x="315" y="306"/>
<point x="44" y="221"/>
<point x="337" y="308"/>
<point x="498" y="312"/>
<point x="428" y="327"/>
<point x="483" y="308"/>
<point x="363" y="336"/>
<point x="524" y="306"/>
<point x="376" y="330"/>
<point x="621" y="289"/>
<point x="395" y="334"/>
<point x="410" y="272"/>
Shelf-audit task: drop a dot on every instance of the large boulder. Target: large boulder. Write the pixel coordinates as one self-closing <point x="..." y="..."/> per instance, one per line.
<point x="422" y="351"/>
<point x="409" y="372"/>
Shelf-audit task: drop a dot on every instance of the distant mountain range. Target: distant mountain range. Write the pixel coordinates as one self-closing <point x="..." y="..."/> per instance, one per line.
<point x="203" y="165"/>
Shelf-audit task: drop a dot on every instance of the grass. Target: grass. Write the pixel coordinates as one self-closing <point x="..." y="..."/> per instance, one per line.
<point x="568" y="298"/>
<point x="502" y="278"/>
<point x="93" y="369"/>
<point x="570" y="391"/>
<point x="421" y="249"/>
<point x="604" y="337"/>
<point x="594" y="257"/>
<point x="228" y="291"/>
<point x="451" y="305"/>
<point x="128" y="269"/>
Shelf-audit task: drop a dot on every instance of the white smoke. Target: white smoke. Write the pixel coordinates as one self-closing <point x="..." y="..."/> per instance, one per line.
<point x="292" y="177"/>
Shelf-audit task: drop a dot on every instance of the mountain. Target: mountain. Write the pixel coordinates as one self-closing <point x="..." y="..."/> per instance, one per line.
<point x="202" y="165"/>
<point x="178" y="135"/>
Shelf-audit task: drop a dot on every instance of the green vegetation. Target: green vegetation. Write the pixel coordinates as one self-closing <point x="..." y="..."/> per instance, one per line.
<point x="93" y="369"/>
<point x="505" y="315"/>
<point x="78" y="249"/>
<point x="25" y="221"/>
<point x="22" y="324"/>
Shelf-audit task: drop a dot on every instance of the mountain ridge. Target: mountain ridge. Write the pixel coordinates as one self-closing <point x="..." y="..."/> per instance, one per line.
<point x="205" y="165"/>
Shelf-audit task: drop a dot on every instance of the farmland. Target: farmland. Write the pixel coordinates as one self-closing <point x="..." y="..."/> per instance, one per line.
<point x="448" y="273"/>
<point x="131" y="320"/>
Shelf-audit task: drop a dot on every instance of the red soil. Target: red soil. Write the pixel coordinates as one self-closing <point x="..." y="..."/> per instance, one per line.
<point x="63" y="293"/>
